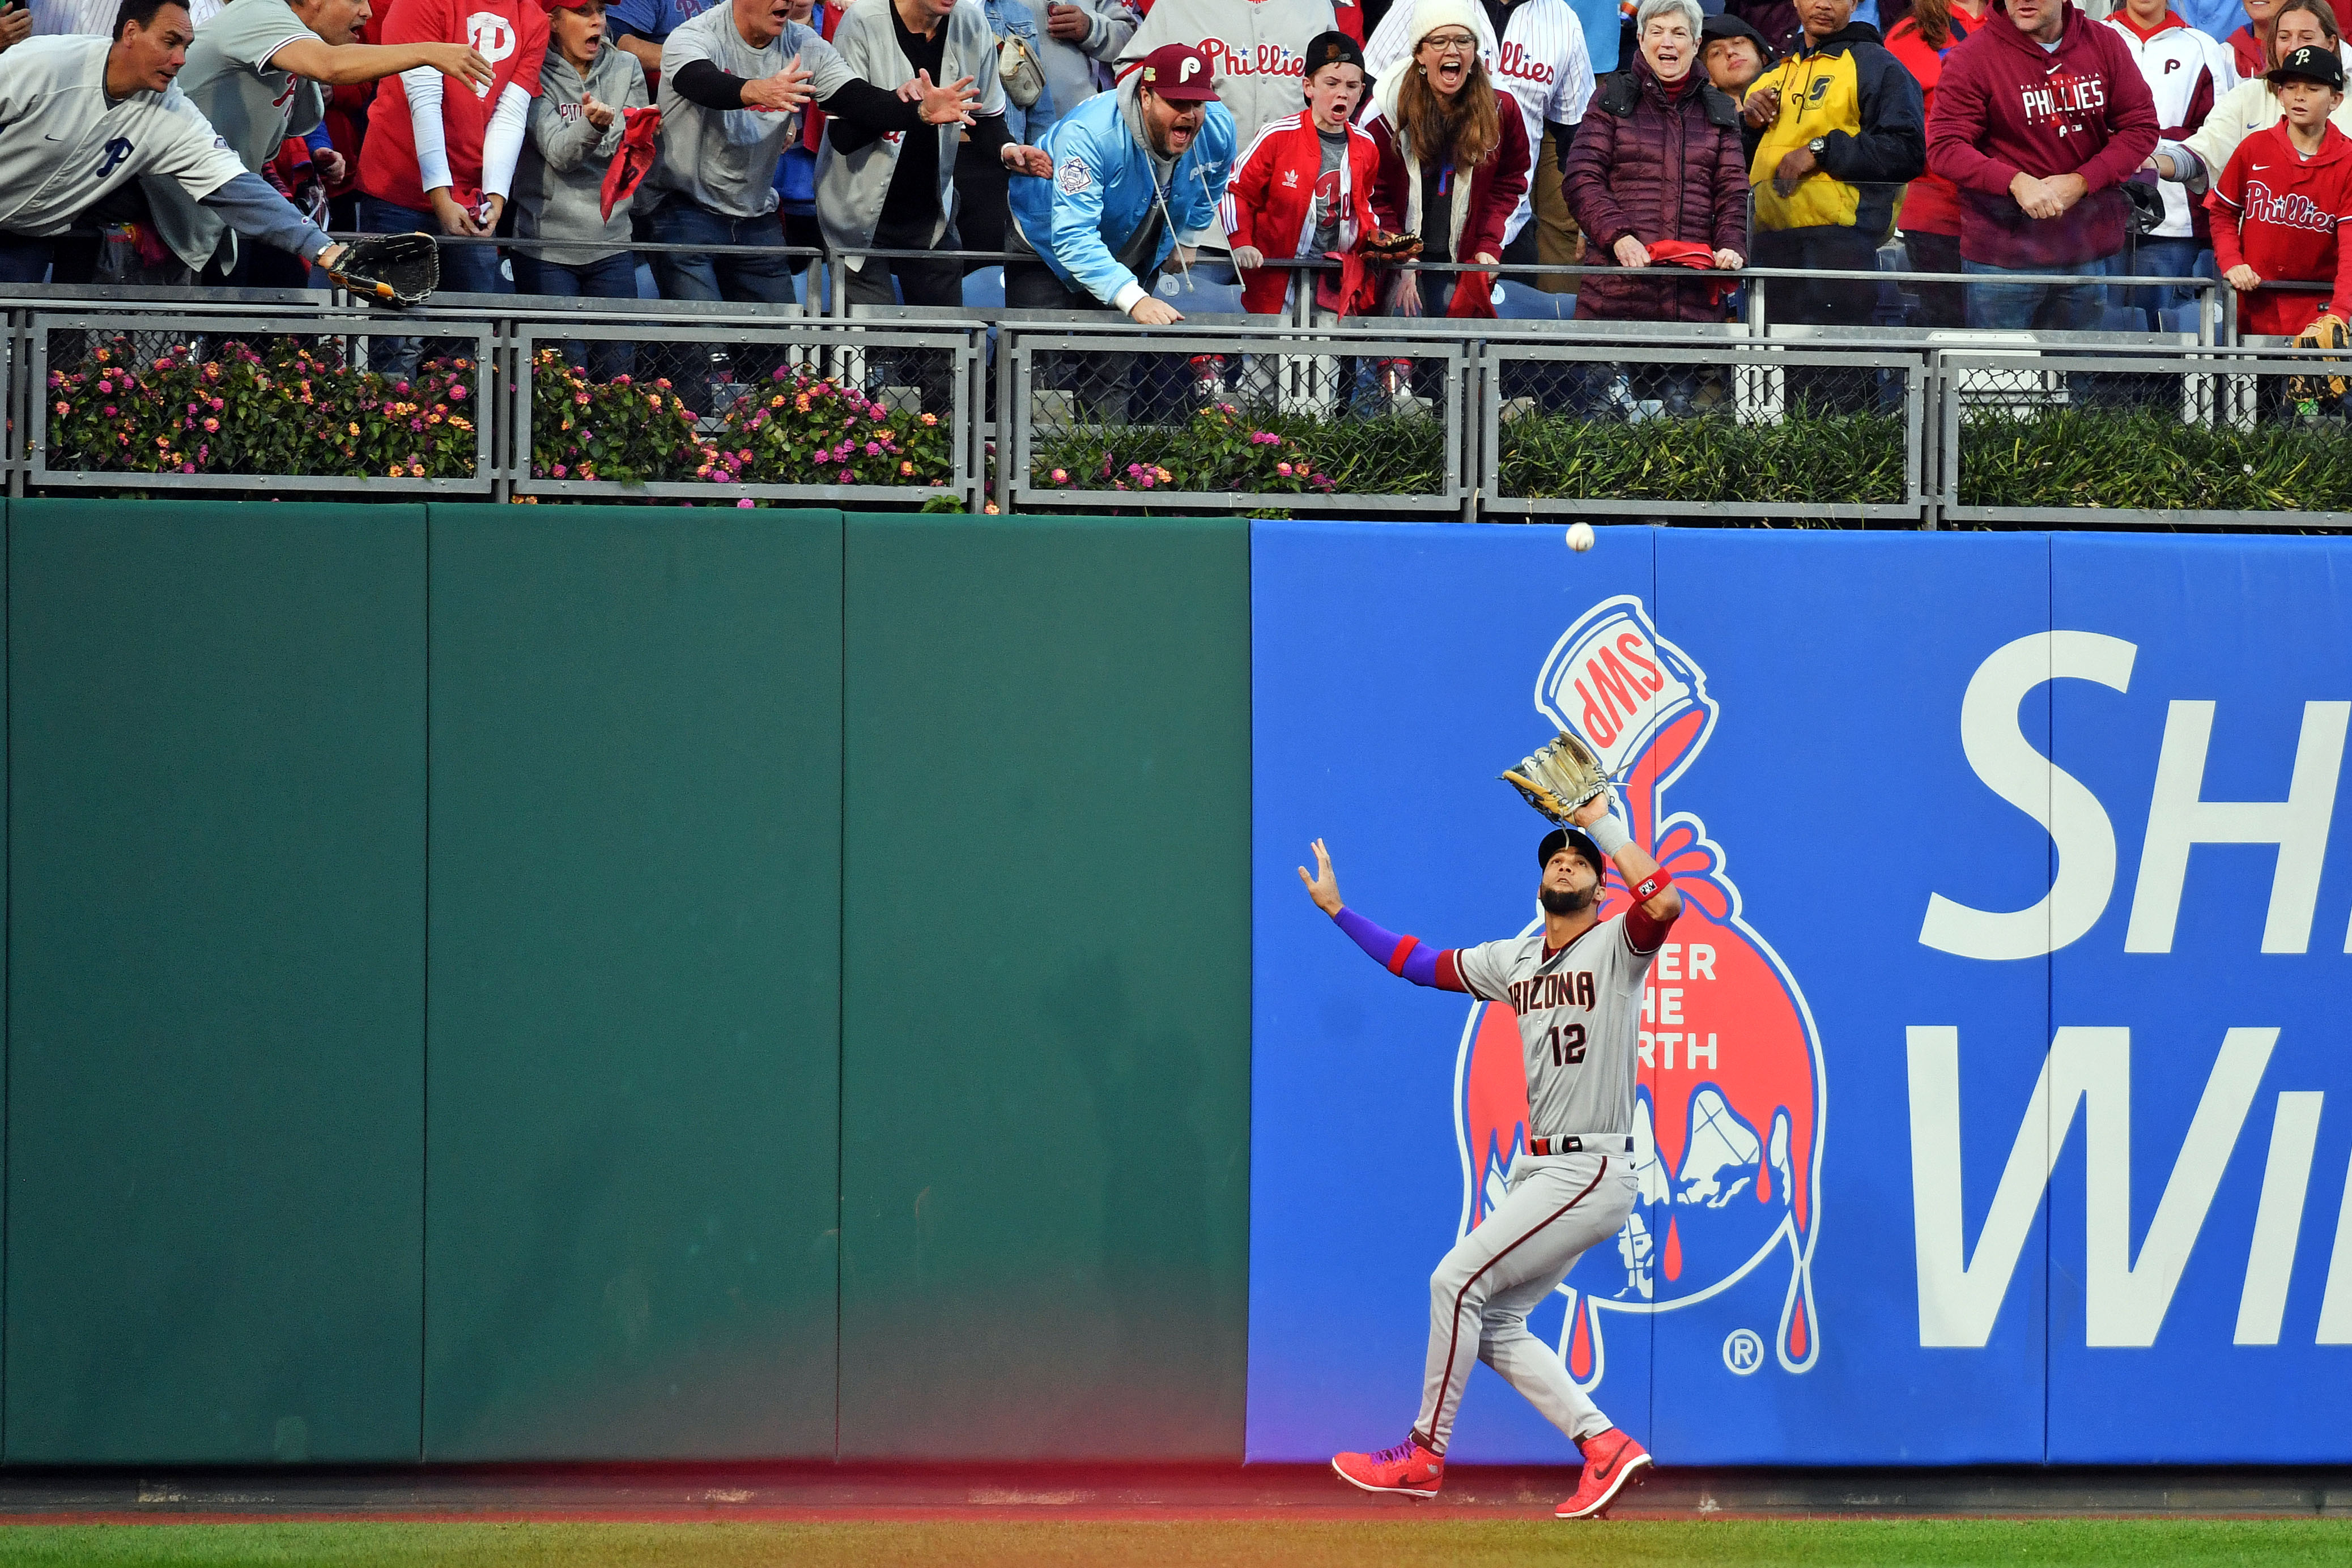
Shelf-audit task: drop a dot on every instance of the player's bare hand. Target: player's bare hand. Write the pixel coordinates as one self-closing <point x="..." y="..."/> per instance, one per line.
<point x="599" y="115"/>
<point x="1592" y="810"/>
<point x="458" y="63"/>
<point x="1148" y="311"/>
<point x="15" y="25"/>
<point x="1323" y="887"/>
<point x="782" y="93"/>
<point x="949" y="105"/>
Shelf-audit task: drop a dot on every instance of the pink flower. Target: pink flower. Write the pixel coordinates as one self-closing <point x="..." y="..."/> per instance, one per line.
<point x="579" y="397"/>
<point x="218" y="405"/>
<point x="457" y="390"/>
<point x="63" y="409"/>
<point x="212" y="426"/>
<point x="846" y="476"/>
<point x="110" y="411"/>
<point x="558" y="470"/>
<point x="1061" y="475"/>
<point x="747" y="500"/>
<point x="106" y="386"/>
<point x="1282" y="469"/>
<point x="873" y="449"/>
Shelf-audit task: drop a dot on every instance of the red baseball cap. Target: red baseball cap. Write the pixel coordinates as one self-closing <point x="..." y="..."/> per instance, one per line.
<point x="1181" y="74"/>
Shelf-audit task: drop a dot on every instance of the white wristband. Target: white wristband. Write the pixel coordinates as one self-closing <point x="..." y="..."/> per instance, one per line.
<point x="1611" y="835"/>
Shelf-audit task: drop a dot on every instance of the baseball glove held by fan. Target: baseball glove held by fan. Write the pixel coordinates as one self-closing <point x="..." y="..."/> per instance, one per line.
<point x="1558" y="779"/>
<point x="1384" y="248"/>
<point x="2327" y="332"/>
<point x="402" y="269"/>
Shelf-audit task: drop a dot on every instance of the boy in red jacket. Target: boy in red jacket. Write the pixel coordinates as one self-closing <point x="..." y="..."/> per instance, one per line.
<point x="1303" y="186"/>
<point x="2276" y="207"/>
<point x="2040" y="118"/>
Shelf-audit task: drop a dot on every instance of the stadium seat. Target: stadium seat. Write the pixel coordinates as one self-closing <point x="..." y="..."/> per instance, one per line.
<point x="1202" y="298"/>
<point x="2179" y="318"/>
<point x="984" y="290"/>
<point x="1519" y="302"/>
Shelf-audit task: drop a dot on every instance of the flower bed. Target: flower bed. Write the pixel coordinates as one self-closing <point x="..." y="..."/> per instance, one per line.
<point x="2150" y="458"/>
<point x="1223" y="449"/>
<point x="277" y="409"/>
<point x="1849" y="459"/>
<point x="799" y="430"/>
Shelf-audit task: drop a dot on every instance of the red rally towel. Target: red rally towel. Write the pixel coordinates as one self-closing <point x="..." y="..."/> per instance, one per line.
<point x="1474" y="297"/>
<point x="1690" y="253"/>
<point x="636" y="158"/>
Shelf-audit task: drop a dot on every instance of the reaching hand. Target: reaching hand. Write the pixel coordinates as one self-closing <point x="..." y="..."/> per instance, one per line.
<point x="1033" y="162"/>
<point x="1248" y="258"/>
<point x="1152" y="311"/>
<point x="949" y="105"/>
<point x="787" y="90"/>
<point x="1592" y="810"/>
<point x="1630" y="252"/>
<point x="1323" y="887"/>
<point x="599" y="115"/>
<point x="458" y="63"/>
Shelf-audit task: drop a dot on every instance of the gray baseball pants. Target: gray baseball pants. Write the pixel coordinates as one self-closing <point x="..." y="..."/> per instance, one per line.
<point x="1480" y="1296"/>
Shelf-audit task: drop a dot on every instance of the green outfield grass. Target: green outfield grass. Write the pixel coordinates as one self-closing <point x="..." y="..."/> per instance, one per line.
<point x="1388" y="1543"/>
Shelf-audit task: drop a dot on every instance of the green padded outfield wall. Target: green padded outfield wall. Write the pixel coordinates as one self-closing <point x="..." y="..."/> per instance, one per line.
<point x="632" y="1211"/>
<point x="216" y="981"/>
<point x="1045" y="997"/>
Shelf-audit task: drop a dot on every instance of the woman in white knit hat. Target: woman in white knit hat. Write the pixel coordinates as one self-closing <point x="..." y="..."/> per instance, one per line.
<point x="1453" y="157"/>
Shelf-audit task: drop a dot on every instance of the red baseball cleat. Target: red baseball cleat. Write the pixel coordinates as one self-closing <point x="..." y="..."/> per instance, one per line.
<point x="1408" y="1469"/>
<point x="1611" y="1459"/>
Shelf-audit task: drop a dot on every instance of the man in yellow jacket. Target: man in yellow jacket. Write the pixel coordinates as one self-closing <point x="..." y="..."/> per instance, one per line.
<point x="1843" y="131"/>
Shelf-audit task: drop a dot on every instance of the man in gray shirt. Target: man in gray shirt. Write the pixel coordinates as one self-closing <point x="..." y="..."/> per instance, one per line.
<point x="255" y="72"/>
<point x="734" y="82"/>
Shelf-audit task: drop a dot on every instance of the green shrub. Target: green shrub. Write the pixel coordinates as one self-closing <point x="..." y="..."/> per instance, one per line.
<point x="2148" y="458"/>
<point x="1850" y="459"/>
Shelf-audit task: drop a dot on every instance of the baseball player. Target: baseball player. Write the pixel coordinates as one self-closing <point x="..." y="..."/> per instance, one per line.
<point x="254" y="72"/>
<point x="81" y="117"/>
<point x="1540" y="57"/>
<point x="1576" y="985"/>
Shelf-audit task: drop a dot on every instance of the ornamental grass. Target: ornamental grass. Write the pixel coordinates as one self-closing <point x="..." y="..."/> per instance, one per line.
<point x="1225" y="450"/>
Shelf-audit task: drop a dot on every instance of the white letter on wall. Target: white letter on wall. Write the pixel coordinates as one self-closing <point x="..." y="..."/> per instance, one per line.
<point x="2278" y="1218"/>
<point x="2177" y="818"/>
<point x="1996" y="747"/>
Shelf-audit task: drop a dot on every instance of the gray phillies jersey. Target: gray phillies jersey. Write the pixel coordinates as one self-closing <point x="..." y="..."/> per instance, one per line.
<point x="63" y="146"/>
<point x="1578" y="1016"/>
<point x="254" y="108"/>
<point x="725" y="159"/>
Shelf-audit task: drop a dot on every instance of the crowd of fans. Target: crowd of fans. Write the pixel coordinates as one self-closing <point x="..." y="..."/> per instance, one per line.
<point x="1099" y="141"/>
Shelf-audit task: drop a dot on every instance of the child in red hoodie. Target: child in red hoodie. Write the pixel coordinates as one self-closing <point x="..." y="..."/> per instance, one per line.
<point x="2276" y="207"/>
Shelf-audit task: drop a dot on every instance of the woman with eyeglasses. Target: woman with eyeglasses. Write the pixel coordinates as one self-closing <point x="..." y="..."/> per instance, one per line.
<point x="1453" y="158"/>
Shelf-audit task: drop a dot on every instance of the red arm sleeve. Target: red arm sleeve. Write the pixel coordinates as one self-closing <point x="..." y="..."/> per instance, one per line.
<point x="1644" y="931"/>
<point x="1245" y="191"/>
<point x="1449" y="972"/>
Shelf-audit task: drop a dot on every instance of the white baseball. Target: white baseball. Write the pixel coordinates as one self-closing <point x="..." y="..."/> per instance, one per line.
<point x="1580" y="536"/>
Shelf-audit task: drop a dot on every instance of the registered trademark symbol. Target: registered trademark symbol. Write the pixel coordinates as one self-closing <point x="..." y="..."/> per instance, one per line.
<point x="1743" y="1351"/>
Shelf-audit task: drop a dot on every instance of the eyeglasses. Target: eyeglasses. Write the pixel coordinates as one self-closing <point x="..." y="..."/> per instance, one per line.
<point x="1450" y="43"/>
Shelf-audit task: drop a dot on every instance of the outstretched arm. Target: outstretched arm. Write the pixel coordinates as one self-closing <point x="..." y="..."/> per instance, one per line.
<point x="1405" y="955"/>
<point x="1656" y="902"/>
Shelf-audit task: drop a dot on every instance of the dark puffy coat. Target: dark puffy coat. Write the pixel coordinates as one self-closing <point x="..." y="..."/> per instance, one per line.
<point x="1655" y="168"/>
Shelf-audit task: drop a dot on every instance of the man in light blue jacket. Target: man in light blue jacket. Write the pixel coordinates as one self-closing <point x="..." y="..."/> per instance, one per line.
<point x="1132" y="170"/>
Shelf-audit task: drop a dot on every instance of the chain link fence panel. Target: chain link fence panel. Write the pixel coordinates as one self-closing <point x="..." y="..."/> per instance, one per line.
<point x="2033" y="436"/>
<point x="256" y="404"/>
<point x="1739" y="428"/>
<point x="1237" y="420"/>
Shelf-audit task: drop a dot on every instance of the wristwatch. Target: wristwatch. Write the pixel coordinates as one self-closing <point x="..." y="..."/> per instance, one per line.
<point x="1817" y="146"/>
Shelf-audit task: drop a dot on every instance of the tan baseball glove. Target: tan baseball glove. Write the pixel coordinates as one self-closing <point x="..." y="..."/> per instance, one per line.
<point x="2327" y="332"/>
<point x="1558" y="779"/>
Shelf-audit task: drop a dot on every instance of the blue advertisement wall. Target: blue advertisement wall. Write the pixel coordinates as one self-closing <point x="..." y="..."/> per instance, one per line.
<point x="1985" y="1109"/>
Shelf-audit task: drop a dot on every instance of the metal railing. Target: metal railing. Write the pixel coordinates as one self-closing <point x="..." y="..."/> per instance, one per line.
<point x="1507" y="419"/>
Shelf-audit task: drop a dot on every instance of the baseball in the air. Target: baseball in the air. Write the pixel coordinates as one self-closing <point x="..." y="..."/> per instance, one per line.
<point x="1580" y="536"/>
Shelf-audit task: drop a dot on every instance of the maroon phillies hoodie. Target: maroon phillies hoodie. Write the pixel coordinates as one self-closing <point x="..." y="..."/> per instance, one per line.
<point x="2005" y="106"/>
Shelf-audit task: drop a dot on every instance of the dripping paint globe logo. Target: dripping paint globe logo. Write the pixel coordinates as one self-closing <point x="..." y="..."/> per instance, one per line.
<point x="1731" y="1101"/>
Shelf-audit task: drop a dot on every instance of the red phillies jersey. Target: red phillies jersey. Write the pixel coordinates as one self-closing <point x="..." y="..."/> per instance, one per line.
<point x="510" y="34"/>
<point x="2276" y="211"/>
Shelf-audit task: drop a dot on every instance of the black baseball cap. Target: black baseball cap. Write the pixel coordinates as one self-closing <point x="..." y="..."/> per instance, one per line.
<point x="2310" y="63"/>
<point x="1575" y="844"/>
<point x="1332" y="49"/>
<point x="1726" y="26"/>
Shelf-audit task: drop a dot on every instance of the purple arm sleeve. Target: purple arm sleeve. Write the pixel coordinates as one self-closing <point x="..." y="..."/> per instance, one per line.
<point x="1406" y="956"/>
